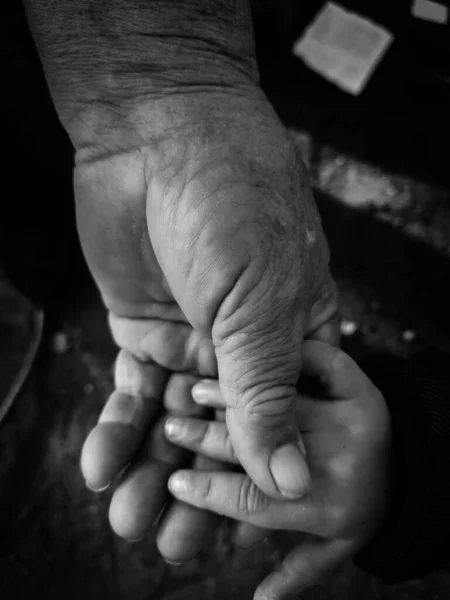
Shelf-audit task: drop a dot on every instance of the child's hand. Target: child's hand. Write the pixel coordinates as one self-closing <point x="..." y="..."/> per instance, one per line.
<point x="346" y="432"/>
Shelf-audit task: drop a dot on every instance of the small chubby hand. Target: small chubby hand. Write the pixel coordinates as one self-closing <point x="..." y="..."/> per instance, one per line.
<point x="345" y="427"/>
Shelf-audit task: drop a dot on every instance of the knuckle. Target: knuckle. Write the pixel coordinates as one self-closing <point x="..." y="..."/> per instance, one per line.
<point x="250" y="500"/>
<point x="125" y="373"/>
<point x="126" y="334"/>
<point x="360" y="428"/>
<point x="337" y="519"/>
<point x="269" y="403"/>
<point x="133" y="376"/>
<point x="329" y="518"/>
<point x="206" y="490"/>
<point x="269" y="415"/>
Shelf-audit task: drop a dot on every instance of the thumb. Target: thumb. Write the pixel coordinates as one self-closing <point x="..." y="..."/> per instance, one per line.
<point x="259" y="364"/>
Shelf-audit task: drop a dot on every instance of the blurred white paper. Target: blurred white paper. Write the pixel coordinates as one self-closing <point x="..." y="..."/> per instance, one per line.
<point x="343" y="47"/>
<point x="430" y="11"/>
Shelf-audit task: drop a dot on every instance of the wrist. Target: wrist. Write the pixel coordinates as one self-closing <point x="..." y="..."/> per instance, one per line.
<point x="215" y="119"/>
<point x="107" y="58"/>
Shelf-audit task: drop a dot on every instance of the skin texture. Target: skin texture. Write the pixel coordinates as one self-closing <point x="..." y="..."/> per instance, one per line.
<point x="198" y="223"/>
<point x="183" y="260"/>
<point x="347" y="435"/>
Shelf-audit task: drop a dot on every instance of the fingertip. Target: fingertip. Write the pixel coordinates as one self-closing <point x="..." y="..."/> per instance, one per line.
<point x="106" y="451"/>
<point x="137" y="502"/>
<point x="183" y="532"/>
<point x="264" y="591"/>
<point x="124" y="522"/>
<point x="207" y="393"/>
<point x="178" y="483"/>
<point x="290" y="471"/>
<point x="177" y="395"/>
<point x="173" y="427"/>
<point x="248" y="536"/>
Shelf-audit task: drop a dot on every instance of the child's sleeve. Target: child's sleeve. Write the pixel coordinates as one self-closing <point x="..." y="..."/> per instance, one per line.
<point x="414" y="539"/>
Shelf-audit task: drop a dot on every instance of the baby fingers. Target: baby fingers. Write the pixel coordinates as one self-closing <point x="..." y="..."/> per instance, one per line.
<point x="209" y="438"/>
<point x="234" y="495"/>
<point x="207" y="393"/>
<point x="124" y="421"/>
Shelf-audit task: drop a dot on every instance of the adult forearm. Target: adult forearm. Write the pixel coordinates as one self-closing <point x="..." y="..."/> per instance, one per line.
<point x="108" y="54"/>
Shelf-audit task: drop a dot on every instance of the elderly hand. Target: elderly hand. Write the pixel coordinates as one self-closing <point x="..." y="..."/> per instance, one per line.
<point x="198" y="223"/>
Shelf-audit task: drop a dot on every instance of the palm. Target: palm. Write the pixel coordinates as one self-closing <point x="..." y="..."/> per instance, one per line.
<point x="340" y="436"/>
<point x="113" y="229"/>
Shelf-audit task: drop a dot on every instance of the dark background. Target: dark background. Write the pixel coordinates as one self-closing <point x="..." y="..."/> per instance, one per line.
<point x="55" y="540"/>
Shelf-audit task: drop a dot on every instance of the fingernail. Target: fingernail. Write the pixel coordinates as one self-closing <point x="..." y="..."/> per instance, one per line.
<point x="201" y="391"/>
<point x="173" y="563"/>
<point x="173" y="427"/>
<point x="135" y="540"/>
<point x="301" y="445"/>
<point x="290" y="471"/>
<point x="178" y="483"/>
<point x="97" y="490"/>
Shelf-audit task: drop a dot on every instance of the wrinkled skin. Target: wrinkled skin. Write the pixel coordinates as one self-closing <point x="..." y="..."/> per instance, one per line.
<point x="210" y="258"/>
<point x="346" y="430"/>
